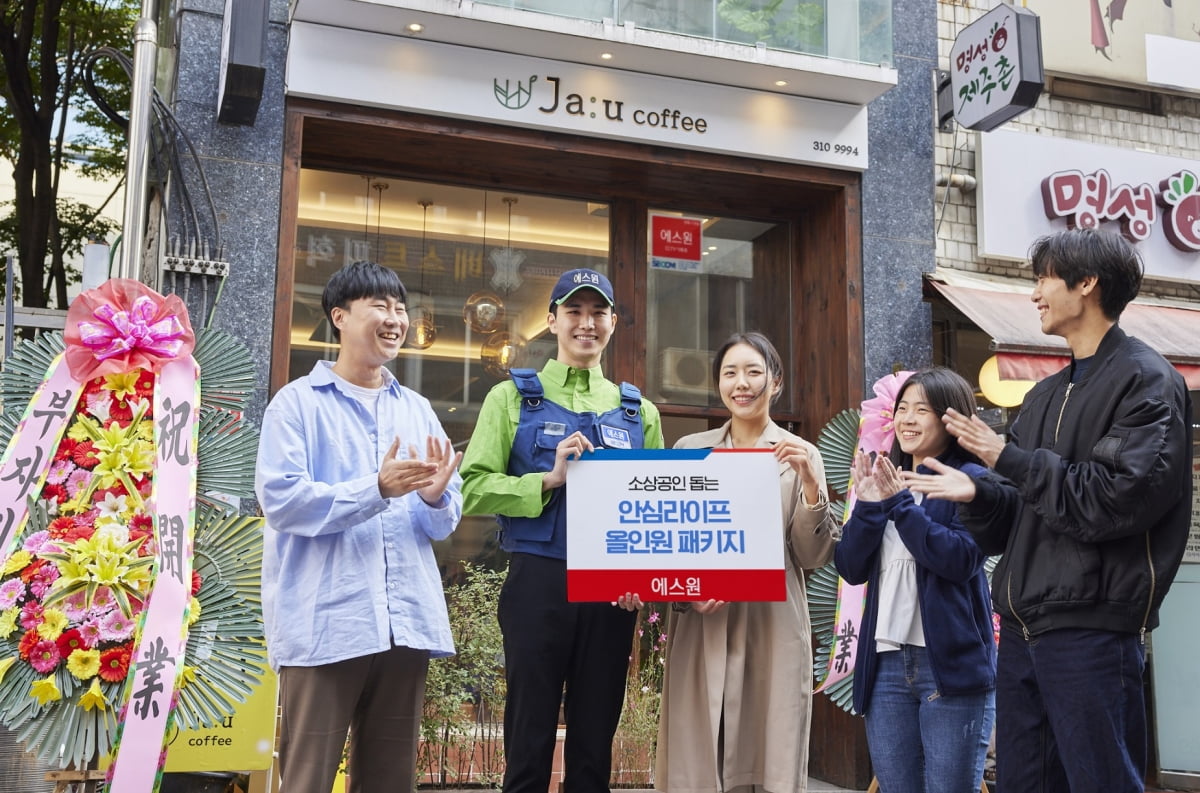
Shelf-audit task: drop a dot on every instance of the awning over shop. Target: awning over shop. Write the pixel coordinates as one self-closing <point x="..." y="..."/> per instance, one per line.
<point x="1003" y="310"/>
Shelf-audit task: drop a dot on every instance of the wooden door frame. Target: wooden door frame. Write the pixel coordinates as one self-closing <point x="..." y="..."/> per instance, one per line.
<point x="822" y="206"/>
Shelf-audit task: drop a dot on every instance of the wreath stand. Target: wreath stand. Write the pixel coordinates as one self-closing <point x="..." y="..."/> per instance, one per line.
<point x="67" y="780"/>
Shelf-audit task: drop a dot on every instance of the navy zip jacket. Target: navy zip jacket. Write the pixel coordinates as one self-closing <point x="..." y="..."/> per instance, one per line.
<point x="952" y="588"/>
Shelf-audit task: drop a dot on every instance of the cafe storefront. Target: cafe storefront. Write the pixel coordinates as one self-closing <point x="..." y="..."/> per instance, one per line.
<point x="480" y="176"/>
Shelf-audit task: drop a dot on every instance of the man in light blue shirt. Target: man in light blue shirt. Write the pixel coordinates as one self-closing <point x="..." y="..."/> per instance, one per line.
<point x="352" y="596"/>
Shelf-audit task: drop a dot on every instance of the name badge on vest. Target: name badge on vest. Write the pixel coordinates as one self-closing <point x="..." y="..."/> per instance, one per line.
<point x="554" y="428"/>
<point x="615" y="437"/>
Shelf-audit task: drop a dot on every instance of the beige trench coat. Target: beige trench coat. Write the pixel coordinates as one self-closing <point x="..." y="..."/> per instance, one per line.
<point x="748" y="663"/>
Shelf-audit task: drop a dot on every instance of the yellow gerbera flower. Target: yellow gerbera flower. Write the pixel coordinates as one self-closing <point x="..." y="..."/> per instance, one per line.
<point x="84" y="663"/>
<point x="18" y="561"/>
<point x="54" y="622"/>
<point x="193" y="611"/>
<point x="8" y="621"/>
<point x="5" y="665"/>
<point x="187" y="676"/>
<point x="94" y="697"/>
<point x="45" y="690"/>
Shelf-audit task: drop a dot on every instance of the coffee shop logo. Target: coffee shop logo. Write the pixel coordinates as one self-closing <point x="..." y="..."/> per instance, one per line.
<point x="517" y="94"/>
<point x="514" y="94"/>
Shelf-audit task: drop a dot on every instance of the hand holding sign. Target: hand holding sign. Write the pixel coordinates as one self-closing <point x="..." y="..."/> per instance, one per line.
<point x="571" y="447"/>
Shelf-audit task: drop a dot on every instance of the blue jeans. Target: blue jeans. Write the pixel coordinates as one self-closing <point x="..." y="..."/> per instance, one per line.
<point x="1072" y="714"/>
<point x="920" y="740"/>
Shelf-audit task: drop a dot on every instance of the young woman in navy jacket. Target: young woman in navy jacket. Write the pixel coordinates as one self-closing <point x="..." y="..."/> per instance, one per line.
<point x="925" y="671"/>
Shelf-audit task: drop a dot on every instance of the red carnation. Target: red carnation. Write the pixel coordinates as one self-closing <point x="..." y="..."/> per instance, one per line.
<point x="54" y="491"/>
<point x="118" y="489"/>
<point x="70" y="641"/>
<point x="66" y="448"/>
<point x="28" y="642"/>
<point x="120" y="412"/>
<point x="78" y="531"/>
<point x="59" y="527"/>
<point x="84" y="455"/>
<point x="31" y="570"/>
<point x="196" y="581"/>
<point x="114" y="664"/>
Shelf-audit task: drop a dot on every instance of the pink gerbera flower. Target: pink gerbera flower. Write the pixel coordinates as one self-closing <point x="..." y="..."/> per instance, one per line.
<point x="90" y="632"/>
<point x="103" y="601"/>
<point x="36" y="542"/>
<point x="11" y="591"/>
<point x="44" y="657"/>
<point x="75" y="606"/>
<point x="31" y="615"/>
<point x="59" y="471"/>
<point x="78" y="481"/>
<point x="43" y="579"/>
<point x="116" y="627"/>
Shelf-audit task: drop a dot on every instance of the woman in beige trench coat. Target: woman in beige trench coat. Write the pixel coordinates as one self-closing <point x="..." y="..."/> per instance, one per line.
<point x="737" y="693"/>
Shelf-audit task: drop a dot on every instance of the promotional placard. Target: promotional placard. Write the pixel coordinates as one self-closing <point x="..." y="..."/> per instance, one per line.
<point x="675" y="524"/>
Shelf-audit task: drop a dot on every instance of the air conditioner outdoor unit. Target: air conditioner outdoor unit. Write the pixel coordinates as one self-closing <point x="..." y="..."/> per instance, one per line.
<point x="685" y="373"/>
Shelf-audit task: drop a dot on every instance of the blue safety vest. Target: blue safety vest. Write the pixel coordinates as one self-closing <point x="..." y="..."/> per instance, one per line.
<point x="543" y="425"/>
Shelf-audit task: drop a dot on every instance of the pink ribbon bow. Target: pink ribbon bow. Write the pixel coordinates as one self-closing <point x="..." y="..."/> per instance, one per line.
<point x="125" y="325"/>
<point x="877" y="429"/>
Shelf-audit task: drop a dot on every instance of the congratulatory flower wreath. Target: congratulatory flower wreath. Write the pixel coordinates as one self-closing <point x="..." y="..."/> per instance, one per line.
<point x="120" y="551"/>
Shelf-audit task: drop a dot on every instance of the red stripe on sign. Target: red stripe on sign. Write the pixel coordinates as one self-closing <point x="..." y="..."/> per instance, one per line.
<point x="657" y="585"/>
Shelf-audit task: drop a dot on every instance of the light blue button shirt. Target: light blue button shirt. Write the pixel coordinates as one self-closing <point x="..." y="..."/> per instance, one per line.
<point x="346" y="572"/>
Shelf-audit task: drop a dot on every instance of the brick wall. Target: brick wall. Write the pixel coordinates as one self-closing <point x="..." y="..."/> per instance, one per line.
<point x="1176" y="133"/>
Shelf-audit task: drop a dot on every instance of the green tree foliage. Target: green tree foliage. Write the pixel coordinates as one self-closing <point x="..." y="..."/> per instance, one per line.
<point x="43" y="49"/>
<point x="787" y="25"/>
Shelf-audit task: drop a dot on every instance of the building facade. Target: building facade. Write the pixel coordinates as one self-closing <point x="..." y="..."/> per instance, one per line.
<point x="481" y="149"/>
<point x="1111" y="142"/>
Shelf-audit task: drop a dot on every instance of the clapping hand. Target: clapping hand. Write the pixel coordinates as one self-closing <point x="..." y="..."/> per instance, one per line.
<point x="875" y="481"/>
<point x="440" y="453"/>
<point x="945" y="483"/>
<point x="399" y="476"/>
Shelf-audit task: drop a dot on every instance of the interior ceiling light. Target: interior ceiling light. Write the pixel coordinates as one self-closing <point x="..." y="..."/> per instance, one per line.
<point x="606" y="56"/>
<point x="781" y="83"/>
<point x="415" y="27"/>
<point x="422" y="333"/>
<point x="502" y="351"/>
<point x="484" y="310"/>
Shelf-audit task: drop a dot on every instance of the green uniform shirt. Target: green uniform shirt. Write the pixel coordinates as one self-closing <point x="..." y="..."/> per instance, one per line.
<point x="488" y="489"/>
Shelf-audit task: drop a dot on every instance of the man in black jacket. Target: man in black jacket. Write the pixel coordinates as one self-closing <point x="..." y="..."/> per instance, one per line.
<point x="1090" y="503"/>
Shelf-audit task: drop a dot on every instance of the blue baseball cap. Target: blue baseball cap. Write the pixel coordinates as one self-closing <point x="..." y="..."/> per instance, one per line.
<point x="572" y="281"/>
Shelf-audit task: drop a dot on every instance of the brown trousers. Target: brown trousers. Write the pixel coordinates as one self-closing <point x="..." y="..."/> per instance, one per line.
<point x="378" y="698"/>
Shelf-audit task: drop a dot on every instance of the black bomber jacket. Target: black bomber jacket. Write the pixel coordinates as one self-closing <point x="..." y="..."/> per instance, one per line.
<point x="1090" y="501"/>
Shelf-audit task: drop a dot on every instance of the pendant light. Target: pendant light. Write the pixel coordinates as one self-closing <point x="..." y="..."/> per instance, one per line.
<point x="484" y="310"/>
<point x="422" y="332"/>
<point x="506" y="263"/>
<point x="500" y="352"/>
